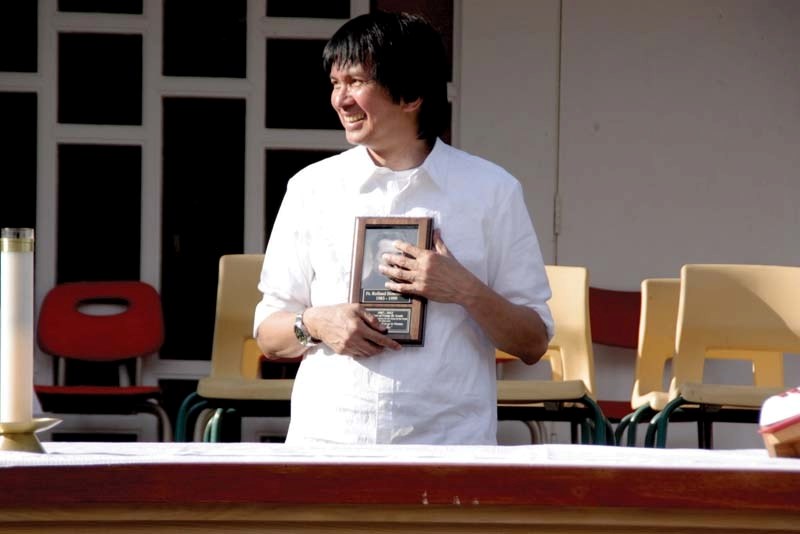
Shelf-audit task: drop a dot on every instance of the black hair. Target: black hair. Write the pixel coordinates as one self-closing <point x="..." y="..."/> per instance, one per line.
<point x="403" y="53"/>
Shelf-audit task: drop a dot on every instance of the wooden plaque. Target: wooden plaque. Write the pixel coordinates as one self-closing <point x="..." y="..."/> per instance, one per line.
<point x="403" y="315"/>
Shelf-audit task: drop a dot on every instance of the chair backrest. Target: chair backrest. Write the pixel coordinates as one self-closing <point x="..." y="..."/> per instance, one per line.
<point x="656" y="345"/>
<point x="234" y="352"/>
<point x="615" y="317"/>
<point x="570" y="351"/>
<point x="737" y="311"/>
<point x="572" y="342"/>
<point x="66" y="330"/>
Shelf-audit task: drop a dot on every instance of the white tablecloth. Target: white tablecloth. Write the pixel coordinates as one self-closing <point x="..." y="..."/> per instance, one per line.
<point x="75" y="453"/>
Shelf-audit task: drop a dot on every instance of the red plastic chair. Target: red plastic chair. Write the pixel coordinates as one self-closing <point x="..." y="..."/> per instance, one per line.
<point x="67" y="332"/>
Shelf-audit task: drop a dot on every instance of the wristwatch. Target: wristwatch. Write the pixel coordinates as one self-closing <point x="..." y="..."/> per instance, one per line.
<point x="301" y="332"/>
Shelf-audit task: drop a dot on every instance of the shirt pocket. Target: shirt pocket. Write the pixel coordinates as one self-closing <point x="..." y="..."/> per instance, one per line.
<point x="331" y="255"/>
<point x="466" y="240"/>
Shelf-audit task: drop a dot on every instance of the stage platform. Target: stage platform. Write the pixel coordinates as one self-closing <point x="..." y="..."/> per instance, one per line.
<point x="250" y="487"/>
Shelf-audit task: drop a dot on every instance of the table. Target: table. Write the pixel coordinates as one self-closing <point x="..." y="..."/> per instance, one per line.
<point x="251" y="487"/>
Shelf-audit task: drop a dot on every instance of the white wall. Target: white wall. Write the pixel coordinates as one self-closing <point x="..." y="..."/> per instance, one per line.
<point x="508" y="96"/>
<point x="678" y="129"/>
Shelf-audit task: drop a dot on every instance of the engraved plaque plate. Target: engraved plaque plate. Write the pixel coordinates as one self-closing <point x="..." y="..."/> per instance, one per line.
<point x="403" y="315"/>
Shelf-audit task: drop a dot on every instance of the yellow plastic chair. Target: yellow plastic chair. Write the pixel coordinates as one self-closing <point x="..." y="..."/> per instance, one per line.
<point x="234" y="385"/>
<point x="747" y="312"/>
<point x="569" y="394"/>
<point x="656" y="346"/>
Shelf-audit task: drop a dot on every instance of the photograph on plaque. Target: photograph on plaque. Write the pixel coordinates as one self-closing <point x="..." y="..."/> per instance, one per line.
<point x="403" y="315"/>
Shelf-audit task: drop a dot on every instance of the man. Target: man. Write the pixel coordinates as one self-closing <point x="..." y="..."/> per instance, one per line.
<point x="484" y="279"/>
<point x="379" y="243"/>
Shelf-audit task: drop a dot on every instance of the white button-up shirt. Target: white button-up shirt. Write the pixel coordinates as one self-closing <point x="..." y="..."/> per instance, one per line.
<point x="443" y="392"/>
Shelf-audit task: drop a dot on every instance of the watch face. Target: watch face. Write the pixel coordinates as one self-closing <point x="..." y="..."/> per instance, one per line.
<point x="302" y="334"/>
<point x="299" y="334"/>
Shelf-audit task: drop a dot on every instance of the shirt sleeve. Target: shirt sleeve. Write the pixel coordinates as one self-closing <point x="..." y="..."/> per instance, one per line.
<point x="286" y="275"/>
<point x="516" y="267"/>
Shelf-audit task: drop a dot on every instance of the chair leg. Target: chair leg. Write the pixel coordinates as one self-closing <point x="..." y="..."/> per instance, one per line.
<point x="543" y="432"/>
<point x="164" y="424"/>
<point x="207" y="429"/>
<point x="199" y="428"/>
<point x="652" y="430"/>
<point x="182" y="421"/>
<point x="211" y="433"/>
<point x="621" y="426"/>
<point x="701" y="428"/>
<point x="598" y="418"/>
<point x="705" y="437"/>
<point x="573" y="432"/>
<point x="225" y="425"/>
<point x="192" y="418"/>
<point x="650" y="434"/>
<point x="217" y="425"/>
<point x="586" y="432"/>
<point x="663" y="420"/>
<point x="610" y="438"/>
<point x="710" y="435"/>
<point x="533" y="429"/>
<point x="639" y="415"/>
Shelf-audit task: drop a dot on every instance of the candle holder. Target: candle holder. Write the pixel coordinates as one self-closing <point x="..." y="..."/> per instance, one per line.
<point x="21" y="437"/>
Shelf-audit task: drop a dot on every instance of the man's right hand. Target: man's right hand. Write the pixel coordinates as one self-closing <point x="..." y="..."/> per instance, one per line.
<point x="349" y="329"/>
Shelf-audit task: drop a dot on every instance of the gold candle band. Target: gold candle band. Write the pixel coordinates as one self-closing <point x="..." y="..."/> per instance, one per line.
<point x="16" y="245"/>
<point x="16" y="240"/>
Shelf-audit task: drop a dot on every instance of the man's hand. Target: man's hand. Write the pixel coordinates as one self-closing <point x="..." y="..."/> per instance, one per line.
<point x="348" y="329"/>
<point x="438" y="276"/>
<point x="434" y="274"/>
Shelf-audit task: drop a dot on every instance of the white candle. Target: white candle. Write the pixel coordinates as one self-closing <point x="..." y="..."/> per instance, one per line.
<point x="16" y="325"/>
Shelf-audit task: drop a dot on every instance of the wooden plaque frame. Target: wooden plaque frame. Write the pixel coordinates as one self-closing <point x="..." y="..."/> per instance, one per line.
<point x="404" y="315"/>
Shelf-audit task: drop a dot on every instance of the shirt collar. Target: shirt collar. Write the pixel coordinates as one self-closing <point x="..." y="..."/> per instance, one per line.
<point x="435" y="165"/>
<point x="364" y="169"/>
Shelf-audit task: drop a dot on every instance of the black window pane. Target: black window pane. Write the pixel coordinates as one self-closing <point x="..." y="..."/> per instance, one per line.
<point x="99" y="79"/>
<point x="133" y="7"/>
<point x="280" y="165"/>
<point x="18" y="157"/>
<point x="205" y="38"/>
<point x="203" y="215"/>
<point x="99" y="212"/>
<point x="328" y="9"/>
<point x="18" y="35"/>
<point x="174" y="391"/>
<point x="298" y="89"/>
